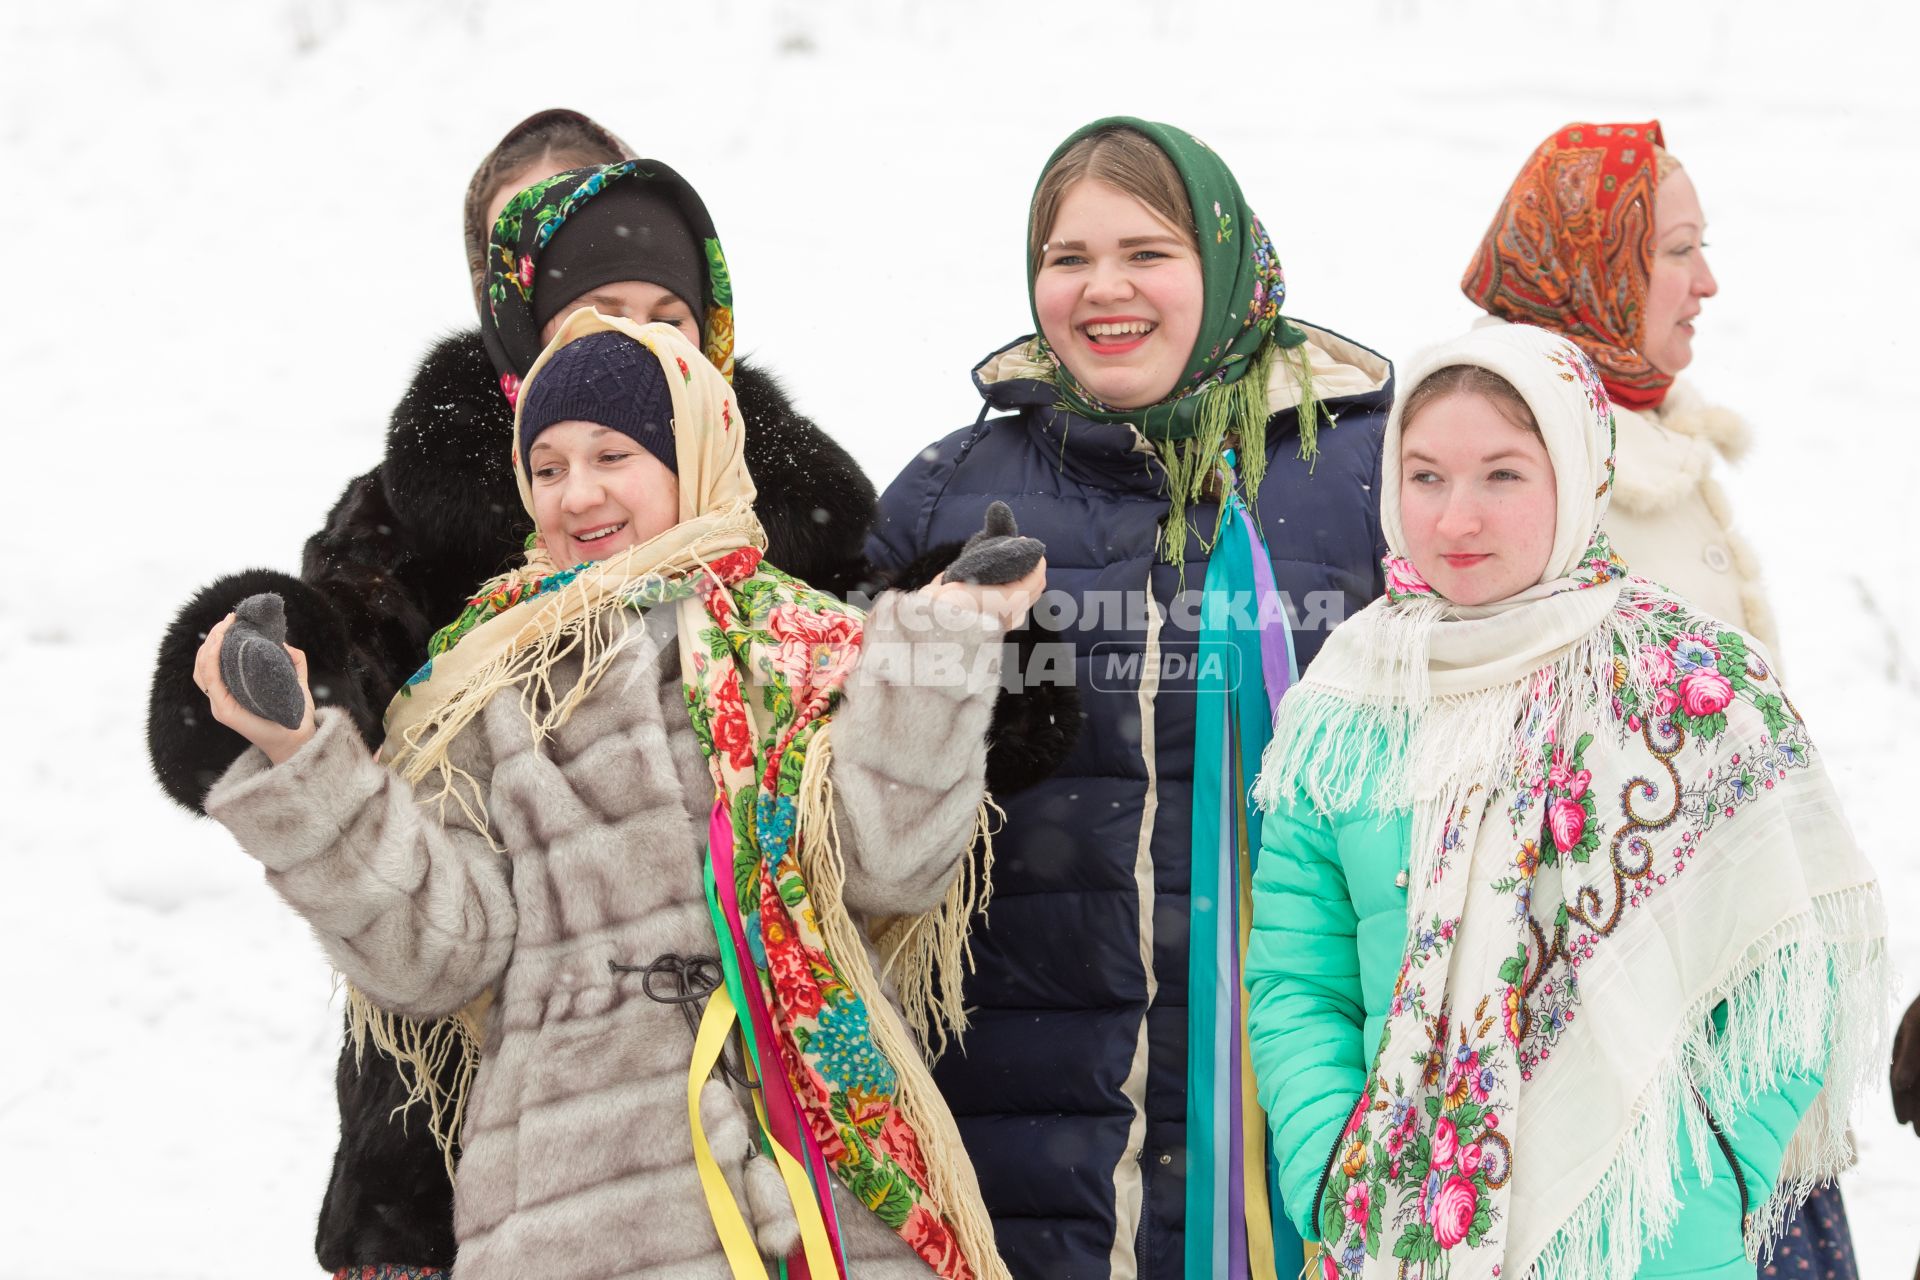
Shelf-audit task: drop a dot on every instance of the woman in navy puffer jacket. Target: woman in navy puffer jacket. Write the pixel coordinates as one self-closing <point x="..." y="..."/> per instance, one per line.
<point x="1166" y="433"/>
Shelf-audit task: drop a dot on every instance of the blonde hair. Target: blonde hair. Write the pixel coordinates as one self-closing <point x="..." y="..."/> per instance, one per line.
<point x="1665" y="164"/>
<point x="1126" y="160"/>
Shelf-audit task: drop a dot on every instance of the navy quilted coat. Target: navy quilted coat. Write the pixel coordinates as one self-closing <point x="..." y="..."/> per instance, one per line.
<point x="1071" y="1088"/>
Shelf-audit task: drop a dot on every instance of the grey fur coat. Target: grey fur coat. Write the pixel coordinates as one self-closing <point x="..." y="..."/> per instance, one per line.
<point x="577" y="1159"/>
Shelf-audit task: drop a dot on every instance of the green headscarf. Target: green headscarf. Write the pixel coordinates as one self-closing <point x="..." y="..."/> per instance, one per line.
<point x="1224" y="388"/>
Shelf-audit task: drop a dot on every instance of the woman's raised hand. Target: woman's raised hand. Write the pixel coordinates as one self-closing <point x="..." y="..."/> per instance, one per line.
<point x="1006" y="601"/>
<point x="277" y="741"/>
<point x="998" y="572"/>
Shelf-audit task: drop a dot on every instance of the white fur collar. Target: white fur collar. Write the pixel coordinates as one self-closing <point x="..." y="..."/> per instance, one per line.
<point x="1662" y="456"/>
<point x="1688" y="414"/>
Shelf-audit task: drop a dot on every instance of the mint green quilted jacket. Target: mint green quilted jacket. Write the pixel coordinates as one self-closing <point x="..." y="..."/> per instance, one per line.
<point x="1329" y="924"/>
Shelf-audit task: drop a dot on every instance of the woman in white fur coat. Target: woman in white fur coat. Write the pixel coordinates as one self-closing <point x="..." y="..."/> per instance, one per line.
<point x="1600" y="239"/>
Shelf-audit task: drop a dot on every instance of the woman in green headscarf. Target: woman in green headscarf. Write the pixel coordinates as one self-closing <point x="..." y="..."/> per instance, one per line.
<point x="1202" y="469"/>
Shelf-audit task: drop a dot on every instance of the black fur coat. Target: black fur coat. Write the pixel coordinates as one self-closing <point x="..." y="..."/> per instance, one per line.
<point x="399" y="555"/>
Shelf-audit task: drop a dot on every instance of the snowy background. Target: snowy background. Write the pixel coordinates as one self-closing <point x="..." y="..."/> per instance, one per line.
<point x="236" y="225"/>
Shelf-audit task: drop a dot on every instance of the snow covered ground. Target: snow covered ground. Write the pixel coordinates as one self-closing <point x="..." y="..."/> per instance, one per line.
<point x="238" y="226"/>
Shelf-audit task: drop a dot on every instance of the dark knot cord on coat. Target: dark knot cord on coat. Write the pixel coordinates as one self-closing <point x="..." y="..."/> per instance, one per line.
<point x="686" y="981"/>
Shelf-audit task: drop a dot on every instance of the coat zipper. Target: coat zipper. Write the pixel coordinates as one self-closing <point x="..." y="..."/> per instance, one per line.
<point x="1726" y="1149"/>
<point x="1326" y="1171"/>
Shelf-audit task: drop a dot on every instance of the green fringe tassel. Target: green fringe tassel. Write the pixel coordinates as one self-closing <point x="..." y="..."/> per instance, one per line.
<point x="1309" y="409"/>
<point x="1238" y="409"/>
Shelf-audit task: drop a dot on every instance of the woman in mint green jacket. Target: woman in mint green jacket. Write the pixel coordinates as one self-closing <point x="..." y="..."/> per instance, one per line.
<point x="1557" y="927"/>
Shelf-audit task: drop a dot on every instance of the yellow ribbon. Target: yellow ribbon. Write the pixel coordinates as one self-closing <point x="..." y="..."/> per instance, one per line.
<point x="743" y="1254"/>
<point x="1258" y="1210"/>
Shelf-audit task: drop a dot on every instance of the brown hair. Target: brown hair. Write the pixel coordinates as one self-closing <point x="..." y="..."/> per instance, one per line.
<point x="1124" y="159"/>
<point x="1469" y="380"/>
<point x="557" y="137"/>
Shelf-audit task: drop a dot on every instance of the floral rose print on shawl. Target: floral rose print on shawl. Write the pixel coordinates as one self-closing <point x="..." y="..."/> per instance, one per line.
<point x="1419" y="1174"/>
<point x="1416" y="1170"/>
<point x="814" y="650"/>
<point x="768" y="667"/>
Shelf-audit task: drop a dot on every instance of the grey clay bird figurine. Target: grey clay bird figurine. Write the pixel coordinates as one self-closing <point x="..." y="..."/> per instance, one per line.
<point x="255" y="665"/>
<point x="997" y="554"/>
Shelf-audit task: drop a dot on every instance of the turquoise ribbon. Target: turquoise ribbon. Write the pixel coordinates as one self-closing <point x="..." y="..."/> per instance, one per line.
<point x="1239" y="665"/>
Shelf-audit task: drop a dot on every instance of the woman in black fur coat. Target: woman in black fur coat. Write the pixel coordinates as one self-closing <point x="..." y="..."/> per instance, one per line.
<point x="397" y="558"/>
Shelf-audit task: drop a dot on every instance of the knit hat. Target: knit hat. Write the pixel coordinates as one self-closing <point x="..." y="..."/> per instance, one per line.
<point x="669" y="241"/>
<point x="607" y="379"/>
<point x="632" y="231"/>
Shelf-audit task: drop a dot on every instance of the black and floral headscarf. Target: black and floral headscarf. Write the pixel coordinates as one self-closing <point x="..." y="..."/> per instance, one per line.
<point x="527" y="225"/>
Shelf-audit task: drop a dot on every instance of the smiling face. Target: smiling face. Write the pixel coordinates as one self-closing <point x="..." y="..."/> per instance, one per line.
<point x="1680" y="279"/>
<point x="636" y="300"/>
<point x="596" y="492"/>
<point x="1477" y="499"/>
<point x="1119" y="295"/>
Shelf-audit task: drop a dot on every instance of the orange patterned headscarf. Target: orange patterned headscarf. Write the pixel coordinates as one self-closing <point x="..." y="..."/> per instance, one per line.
<point x="1571" y="250"/>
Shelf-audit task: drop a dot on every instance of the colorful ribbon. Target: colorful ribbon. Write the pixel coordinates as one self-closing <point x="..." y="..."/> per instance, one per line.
<point x="1233" y="1227"/>
<point x="783" y="1136"/>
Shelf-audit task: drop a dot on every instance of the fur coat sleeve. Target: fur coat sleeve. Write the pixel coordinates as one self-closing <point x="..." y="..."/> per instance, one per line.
<point x="410" y="901"/>
<point x="910" y="753"/>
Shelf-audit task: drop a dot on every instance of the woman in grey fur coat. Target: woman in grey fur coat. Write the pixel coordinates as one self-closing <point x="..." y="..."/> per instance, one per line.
<point x="610" y="799"/>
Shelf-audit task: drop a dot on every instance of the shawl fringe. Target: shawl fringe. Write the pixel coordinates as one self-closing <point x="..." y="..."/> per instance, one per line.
<point x="1407" y="747"/>
<point x="1237" y="409"/>
<point x="565" y="622"/>
<point x="929" y="950"/>
<point x="927" y="957"/>
<point x="1785" y="1015"/>
<point x="421" y="1051"/>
